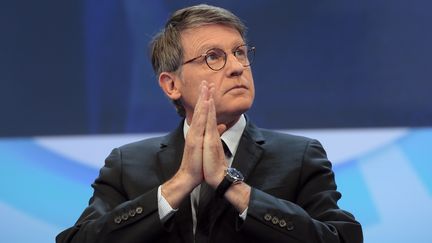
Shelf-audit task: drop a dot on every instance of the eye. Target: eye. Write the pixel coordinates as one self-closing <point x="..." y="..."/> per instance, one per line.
<point x="214" y="55"/>
<point x="240" y="51"/>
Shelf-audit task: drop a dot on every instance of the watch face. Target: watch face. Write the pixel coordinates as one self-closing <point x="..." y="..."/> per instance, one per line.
<point x="234" y="174"/>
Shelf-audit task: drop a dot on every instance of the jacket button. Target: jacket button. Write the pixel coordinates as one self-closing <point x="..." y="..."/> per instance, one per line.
<point x="125" y="216"/>
<point x="282" y="223"/>
<point x="275" y="220"/>
<point x="139" y="210"/>
<point x="267" y="217"/>
<point x="290" y="226"/>
<point x="132" y="213"/>
<point x="117" y="220"/>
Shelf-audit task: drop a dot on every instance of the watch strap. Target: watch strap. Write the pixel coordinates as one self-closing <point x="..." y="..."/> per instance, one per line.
<point x="223" y="187"/>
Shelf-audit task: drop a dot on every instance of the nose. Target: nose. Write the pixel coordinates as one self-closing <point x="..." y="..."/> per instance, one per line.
<point x="233" y="66"/>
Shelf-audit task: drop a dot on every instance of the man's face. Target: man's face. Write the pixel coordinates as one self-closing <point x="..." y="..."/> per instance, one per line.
<point x="234" y="88"/>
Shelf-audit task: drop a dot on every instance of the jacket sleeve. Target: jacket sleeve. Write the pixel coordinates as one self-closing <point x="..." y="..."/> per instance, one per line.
<point x="111" y="216"/>
<point x="313" y="216"/>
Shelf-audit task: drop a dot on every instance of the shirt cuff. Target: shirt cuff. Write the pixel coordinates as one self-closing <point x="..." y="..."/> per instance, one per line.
<point x="165" y="210"/>
<point x="244" y="214"/>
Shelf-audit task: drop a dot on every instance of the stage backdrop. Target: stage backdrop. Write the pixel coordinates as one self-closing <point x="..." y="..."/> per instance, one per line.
<point x="75" y="82"/>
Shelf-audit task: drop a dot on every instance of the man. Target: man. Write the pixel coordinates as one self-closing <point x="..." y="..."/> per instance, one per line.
<point x="217" y="177"/>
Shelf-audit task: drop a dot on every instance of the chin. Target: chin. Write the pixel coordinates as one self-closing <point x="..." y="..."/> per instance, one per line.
<point x="234" y="104"/>
<point x="233" y="112"/>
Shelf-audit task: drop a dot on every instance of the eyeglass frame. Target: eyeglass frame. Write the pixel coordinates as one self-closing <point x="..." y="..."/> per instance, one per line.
<point x="249" y="49"/>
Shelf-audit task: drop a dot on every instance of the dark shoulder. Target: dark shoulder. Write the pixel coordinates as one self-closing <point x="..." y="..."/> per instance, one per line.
<point x="272" y="136"/>
<point x="148" y="144"/>
<point x="280" y="142"/>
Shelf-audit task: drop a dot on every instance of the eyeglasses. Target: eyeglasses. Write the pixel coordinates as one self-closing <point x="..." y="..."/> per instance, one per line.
<point x="216" y="58"/>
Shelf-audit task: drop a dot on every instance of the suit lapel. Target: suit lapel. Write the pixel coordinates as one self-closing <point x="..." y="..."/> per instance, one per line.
<point x="249" y="150"/>
<point x="169" y="159"/>
<point x="171" y="153"/>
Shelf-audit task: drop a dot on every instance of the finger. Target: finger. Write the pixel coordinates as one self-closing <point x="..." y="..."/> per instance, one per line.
<point x="212" y="137"/>
<point x="221" y="128"/>
<point x="211" y="124"/>
<point x="202" y="95"/>
<point x="199" y="117"/>
<point x="211" y="87"/>
<point x="212" y="119"/>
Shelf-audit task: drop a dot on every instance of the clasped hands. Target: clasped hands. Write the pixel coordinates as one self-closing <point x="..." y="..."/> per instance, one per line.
<point x="203" y="156"/>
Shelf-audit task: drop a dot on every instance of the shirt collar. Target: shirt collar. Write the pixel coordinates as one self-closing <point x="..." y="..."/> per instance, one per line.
<point x="231" y="136"/>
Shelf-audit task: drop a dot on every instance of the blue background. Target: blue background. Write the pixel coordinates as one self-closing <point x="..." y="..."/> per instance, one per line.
<point x="71" y="67"/>
<point x="82" y="68"/>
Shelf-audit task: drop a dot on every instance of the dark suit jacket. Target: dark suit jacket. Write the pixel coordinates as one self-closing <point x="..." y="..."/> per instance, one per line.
<point x="293" y="197"/>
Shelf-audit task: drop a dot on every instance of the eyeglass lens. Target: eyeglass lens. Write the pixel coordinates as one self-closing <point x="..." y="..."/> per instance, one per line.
<point x="216" y="58"/>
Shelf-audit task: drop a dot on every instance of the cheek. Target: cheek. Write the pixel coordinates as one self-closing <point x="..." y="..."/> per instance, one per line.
<point x="190" y="98"/>
<point x="189" y="95"/>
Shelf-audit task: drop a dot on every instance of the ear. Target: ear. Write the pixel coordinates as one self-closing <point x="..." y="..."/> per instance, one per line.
<point x="170" y="85"/>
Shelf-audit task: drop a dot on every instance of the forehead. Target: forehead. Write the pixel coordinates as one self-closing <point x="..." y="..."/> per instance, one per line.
<point x="199" y="39"/>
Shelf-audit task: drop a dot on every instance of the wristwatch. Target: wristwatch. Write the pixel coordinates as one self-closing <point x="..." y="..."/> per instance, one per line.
<point x="232" y="176"/>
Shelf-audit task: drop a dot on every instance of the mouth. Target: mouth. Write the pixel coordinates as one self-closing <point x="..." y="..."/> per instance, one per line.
<point x="237" y="87"/>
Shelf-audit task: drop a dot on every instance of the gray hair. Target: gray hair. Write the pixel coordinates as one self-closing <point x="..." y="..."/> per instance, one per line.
<point x="166" y="48"/>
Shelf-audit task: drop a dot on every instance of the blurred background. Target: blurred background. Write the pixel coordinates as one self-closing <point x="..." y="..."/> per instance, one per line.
<point x="75" y="82"/>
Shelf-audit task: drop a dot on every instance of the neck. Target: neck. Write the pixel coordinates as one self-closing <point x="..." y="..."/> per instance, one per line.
<point x="229" y="123"/>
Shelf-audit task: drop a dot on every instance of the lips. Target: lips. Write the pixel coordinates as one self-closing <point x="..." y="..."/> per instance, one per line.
<point x="237" y="87"/>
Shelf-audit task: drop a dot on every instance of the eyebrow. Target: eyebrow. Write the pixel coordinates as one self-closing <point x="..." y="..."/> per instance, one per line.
<point x="203" y="49"/>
